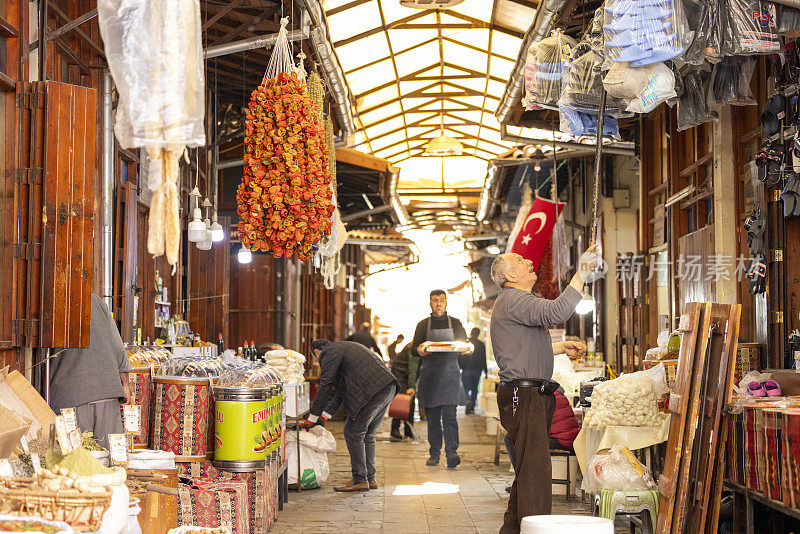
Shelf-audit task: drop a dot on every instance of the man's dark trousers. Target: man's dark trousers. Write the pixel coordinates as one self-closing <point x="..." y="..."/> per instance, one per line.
<point x="529" y="428"/>
<point x="359" y="434"/>
<point x="470" y="379"/>
<point x="442" y="418"/>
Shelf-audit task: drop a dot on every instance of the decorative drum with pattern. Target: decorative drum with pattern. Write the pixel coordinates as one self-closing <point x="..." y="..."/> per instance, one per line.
<point x="141" y="380"/>
<point x="180" y="416"/>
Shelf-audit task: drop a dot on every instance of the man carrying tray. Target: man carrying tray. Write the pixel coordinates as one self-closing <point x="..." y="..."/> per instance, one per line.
<point x="439" y="388"/>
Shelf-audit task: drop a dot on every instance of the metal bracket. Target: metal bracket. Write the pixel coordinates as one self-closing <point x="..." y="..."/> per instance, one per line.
<point x="29" y="175"/>
<point x="777" y="255"/>
<point x="777" y="317"/>
<point x="34" y="100"/>
<point x="26" y="251"/>
<point x="23" y="327"/>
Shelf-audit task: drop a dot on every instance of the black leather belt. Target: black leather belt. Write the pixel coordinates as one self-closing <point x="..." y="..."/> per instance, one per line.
<point x="545" y="386"/>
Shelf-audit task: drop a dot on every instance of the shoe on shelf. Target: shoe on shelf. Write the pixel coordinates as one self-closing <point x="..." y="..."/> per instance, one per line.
<point x="373" y="485"/>
<point x="453" y="461"/>
<point x="352" y="487"/>
<point x="395" y="436"/>
<point x="433" y="460"/>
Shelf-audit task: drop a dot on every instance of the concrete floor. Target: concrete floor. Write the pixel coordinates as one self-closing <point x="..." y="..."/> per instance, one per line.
<point x="475" y="504"/>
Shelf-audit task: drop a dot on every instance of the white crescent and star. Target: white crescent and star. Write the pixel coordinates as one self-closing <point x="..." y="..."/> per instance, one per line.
<point x="526" y="239"/>
<point x="541" y="217"/>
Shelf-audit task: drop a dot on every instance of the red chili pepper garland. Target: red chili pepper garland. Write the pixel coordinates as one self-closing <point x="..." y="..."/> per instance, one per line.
<point x="284" y="200"/>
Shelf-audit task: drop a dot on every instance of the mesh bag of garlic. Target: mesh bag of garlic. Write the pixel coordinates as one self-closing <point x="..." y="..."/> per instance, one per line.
<point x="630" y="400"/>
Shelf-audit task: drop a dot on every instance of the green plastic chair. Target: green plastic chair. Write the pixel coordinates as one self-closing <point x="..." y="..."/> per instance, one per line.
<point x="630" y="502"/>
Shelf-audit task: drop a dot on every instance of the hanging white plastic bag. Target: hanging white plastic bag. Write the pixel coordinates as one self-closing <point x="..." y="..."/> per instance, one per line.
<point x="315" y="444"/>
<point x="617" y="470"/>
<point x="660" y="88"/>
<point x="155" y="54"/>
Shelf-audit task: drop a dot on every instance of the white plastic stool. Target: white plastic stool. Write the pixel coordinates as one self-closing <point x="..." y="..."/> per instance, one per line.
<point x="566" y="524"/>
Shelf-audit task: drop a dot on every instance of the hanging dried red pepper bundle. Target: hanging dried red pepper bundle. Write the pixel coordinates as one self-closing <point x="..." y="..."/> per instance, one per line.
<point x="284" y="200"/>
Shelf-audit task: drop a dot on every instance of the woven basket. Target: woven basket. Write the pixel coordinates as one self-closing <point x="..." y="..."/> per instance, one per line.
<point x="82" y="512"/>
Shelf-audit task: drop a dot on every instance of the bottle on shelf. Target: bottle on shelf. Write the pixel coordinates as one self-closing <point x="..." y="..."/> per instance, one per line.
<point x="240" y="352"/>
<point x="253" y="351"/>
<point x="220" y="344"/>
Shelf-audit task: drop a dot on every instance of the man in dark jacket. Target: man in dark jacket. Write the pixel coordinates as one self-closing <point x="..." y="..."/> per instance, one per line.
<point x="357" y="380"/>
<point x="472" y="365"/>
<point x="364" y="337"/>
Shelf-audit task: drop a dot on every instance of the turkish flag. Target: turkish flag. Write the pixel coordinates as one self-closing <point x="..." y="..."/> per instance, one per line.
<point x="536" y="230"/>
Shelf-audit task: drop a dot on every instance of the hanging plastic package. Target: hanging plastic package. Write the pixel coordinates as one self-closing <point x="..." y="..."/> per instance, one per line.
<point x="546" y="66"/>
<point x="583" y="84"/>
<point x="643" y="32"/>
<point x="659" y="88"/>
<point x="748" y="27"/>
<point x="730" y="81"/>
<point x="787" y="18"/>
<point x="161" y="103"/>
<point x="584" y="125"/>
<point x="695" y="106"/>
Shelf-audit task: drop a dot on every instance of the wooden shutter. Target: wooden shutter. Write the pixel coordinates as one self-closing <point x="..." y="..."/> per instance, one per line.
<point x="54" y="211"/>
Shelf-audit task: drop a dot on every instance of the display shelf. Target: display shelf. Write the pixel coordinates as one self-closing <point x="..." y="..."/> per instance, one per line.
<point x="759" y="498"/>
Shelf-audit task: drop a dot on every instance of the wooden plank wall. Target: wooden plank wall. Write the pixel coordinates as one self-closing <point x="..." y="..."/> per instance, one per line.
<point x="319" y="309"/>
<point x="209" y="287"/>
<point x="252" y="301"/>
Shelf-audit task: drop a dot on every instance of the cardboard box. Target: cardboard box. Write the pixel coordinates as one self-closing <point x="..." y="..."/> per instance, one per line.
<point x="19" y="396"/>
<point x="12" y="428"/>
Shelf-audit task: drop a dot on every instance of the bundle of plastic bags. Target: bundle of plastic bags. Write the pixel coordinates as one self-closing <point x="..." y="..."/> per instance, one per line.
<point x="290" y="364"/>
<point x="617" y="470"/>
<point x="630" y="400"/>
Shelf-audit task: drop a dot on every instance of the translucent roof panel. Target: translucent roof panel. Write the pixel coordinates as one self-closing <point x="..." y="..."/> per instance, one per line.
<point x="412" y="70"/>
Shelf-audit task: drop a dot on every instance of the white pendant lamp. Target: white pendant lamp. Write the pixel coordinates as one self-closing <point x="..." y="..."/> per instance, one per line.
<point x="244" y="255"/>
<point x="197" y="229"/>
<point x="205" y="244"/>
<point x="217" y="233"/>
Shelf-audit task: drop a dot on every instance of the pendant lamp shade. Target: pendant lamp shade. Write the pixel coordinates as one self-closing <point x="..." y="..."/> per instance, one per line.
<point x="444" y="146"/>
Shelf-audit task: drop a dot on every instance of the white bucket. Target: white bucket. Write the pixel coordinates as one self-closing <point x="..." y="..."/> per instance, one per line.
<point x="566" y="524"/>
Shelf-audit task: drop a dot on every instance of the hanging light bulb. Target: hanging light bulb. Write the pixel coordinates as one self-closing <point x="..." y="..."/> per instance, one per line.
<point x="205" y="244"/>
<point x="244" y="255"/>
<point x="217" y="233"/>
<point x="537" y="157"/>
<point x="586" y="304"/>
<point x="197" y="230"/>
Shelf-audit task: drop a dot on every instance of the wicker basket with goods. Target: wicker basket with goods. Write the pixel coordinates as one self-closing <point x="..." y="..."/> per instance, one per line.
<point x="82" y="508"/>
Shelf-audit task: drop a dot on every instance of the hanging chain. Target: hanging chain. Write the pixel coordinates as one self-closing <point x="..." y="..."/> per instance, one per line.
<point x="598" y="158"/>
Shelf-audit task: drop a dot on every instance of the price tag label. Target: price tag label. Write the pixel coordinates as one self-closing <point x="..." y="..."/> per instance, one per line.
<point x="5" y="468"/>
<point x="70" y="419"/>
<point x="132" y="416"/>
<point x="118" y="448"/>
<point x="37" y="463"/>
<point x="23" y="442"/>
<point x="63" y="435"/>
<point x="75" y="438"/>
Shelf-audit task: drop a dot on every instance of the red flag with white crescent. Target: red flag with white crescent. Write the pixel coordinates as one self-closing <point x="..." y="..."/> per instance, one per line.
<point x="536" y="230"/>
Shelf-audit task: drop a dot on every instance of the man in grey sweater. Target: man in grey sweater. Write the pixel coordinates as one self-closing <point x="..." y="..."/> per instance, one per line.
<point x="524" y="352"/>
<point x="93" y="380"/>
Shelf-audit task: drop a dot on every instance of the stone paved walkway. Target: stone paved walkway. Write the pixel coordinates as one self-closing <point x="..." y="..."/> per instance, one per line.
<point x="414" y="498"/>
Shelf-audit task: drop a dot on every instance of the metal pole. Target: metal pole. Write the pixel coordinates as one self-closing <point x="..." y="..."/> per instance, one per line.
<point x="262" y="41"/>
<point x="598" y="159"/>
<point x="364" y="213"/>
<point x="108" y="190"/>
<point x="43" y="39"/>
